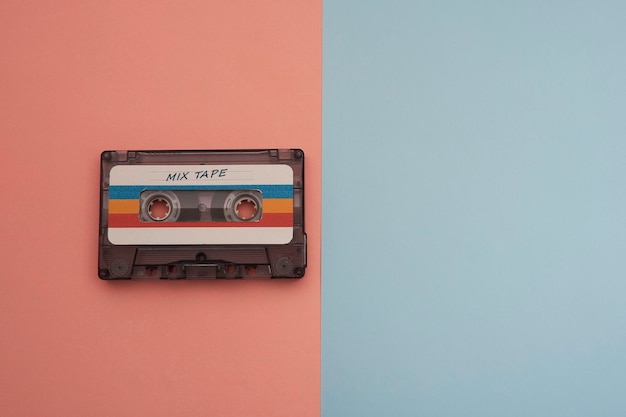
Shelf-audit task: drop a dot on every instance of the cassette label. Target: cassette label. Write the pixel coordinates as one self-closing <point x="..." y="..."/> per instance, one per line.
<point x="206" y="189"/>
<point x="202" y="214"/>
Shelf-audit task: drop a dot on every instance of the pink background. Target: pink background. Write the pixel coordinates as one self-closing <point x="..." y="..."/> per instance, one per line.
<point x="78" y="77"/>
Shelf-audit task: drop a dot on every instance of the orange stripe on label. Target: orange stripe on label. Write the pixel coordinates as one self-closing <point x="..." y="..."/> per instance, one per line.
<point x="278" y="205"/>
<point x="123" y="206"/>
<point x="270" y="205"/>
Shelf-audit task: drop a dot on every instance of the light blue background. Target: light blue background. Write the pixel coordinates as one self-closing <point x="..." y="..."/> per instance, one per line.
<point x="474" y="208"/>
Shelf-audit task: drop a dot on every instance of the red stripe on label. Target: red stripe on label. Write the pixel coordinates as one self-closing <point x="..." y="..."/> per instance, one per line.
<point x="268" y="220"/>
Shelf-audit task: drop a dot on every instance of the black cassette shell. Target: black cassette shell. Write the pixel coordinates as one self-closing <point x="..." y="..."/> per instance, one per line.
<point x="217" y="214"/>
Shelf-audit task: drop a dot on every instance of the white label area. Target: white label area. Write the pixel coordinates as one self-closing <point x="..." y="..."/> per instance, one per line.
<point x="274" y="182"/>
<point x="201" y="236"/>
<point x="200" y="174"/>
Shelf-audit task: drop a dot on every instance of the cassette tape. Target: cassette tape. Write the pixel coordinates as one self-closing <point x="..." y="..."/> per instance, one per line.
<point x="202" y="214"/>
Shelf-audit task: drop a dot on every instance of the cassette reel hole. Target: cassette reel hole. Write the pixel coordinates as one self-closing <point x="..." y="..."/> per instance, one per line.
<point x="246" y="209"/>
<point x="159" y="209"/>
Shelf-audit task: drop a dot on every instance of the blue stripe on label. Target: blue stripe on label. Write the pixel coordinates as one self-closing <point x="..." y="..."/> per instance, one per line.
<point x="131" y="192"/>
